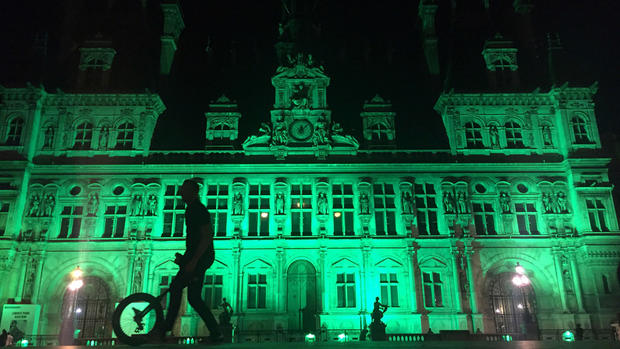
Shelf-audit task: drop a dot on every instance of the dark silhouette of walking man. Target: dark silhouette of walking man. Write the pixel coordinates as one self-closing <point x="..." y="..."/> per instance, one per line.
<point x="199" y="256"/>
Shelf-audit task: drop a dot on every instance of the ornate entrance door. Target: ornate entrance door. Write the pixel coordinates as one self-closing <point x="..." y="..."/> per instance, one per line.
<point x="301" y="297"/>
<point x="92" y="308"/>
<point x="514" y="308"/>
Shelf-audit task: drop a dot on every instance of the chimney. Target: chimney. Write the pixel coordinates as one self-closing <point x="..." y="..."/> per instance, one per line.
<point x="500" y="57"/>
<point x="173" y="27"/>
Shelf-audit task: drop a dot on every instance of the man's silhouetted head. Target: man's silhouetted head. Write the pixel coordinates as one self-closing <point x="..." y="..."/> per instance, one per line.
<point x="189" y="190"/>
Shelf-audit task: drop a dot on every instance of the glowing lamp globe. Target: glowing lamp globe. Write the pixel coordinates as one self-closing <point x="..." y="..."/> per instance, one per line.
<point x="519" y="269"/>
<point x="77" y="273"/>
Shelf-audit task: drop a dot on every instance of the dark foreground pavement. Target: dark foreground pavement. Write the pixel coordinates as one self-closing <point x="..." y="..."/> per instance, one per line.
<point x="382" y="345"/>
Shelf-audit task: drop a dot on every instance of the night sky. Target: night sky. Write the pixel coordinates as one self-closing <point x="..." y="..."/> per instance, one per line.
<point x="367" y="47"/>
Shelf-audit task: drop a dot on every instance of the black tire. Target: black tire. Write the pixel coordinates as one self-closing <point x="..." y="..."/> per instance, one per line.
<point x="122" y="320"/>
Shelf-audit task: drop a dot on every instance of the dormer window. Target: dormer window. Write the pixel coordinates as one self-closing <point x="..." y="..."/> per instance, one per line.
<point x="473" y="135"/>
<point x="124" y="137"/>
<point x="379" y="132"/>
<point x="16" y="128"/>
<point x="83" y="136"/>
<point x="580" y="131"/>
<point x="514" y="137"/>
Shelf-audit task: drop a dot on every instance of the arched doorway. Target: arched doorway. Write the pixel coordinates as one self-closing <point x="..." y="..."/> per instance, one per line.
<point x="513" y="307"/>
<point x="301" y="297"/>
<point x="92" y="308"/>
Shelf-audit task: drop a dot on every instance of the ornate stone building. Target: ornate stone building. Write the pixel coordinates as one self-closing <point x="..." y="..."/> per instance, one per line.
<point x="312" y="222"/>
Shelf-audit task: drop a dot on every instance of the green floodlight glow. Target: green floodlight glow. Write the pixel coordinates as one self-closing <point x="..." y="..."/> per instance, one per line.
<point x="342" y="337"/>
<point x="568" y="336"/>
<point x="23" y="343"/>
<point x="310" y="338"/>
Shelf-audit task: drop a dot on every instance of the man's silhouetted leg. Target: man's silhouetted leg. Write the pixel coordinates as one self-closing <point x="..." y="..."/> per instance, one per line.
<point x="195" y="300"/>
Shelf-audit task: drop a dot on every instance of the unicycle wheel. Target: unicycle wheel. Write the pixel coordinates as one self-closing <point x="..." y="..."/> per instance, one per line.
<point x="131" y="328"/>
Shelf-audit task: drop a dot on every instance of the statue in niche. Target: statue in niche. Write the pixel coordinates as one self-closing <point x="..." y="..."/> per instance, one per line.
<point x="299" y="97"/>
<point x="104" y="135"/>
<point x="546" y="135"/>
<point x="279" y="203"/>
<point x="48" y="140"/>
<point x="280" y="134"/>
<point x="136" y="205"/>
<point x="50" y="202"/>
<point x="35" y="206"/>
<point x="321" y="203"/>
<point x="546" y="201"/>
<point x="504" y="202"/>
<point x="364" y="203"/>
<point x="461" y="201"/>
<point x="494" y="133"/>
<point x="225" y="316"/>
<point x="553" y="199"/>
<point x="407" y="202"/>
<point x="137" y="277"/>
<point x="448" y="202"/>
<point x="561" y="202"/>
<point x="238" y="204"/>
<point x="151" y="205"/>
<point x="320" y="133"/>
<point x="30" y="278"/>
<point x="92" y="204"/>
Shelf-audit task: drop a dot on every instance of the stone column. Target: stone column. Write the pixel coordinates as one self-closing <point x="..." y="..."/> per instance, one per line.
<point x="560" y="280"/>
<point x="455" y="276"/>
<point x="364" y="278"/>
<point x="280" y="277"/>
<point x="411" y="271"/>
<point x="577" y="282"/>
<point x="323" y="256"/>
<point x="470" y="279"/>
<point x="236" y="286"/>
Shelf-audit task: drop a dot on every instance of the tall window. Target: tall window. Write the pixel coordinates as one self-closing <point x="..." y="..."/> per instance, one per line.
<point x="433" y="296"/>
<point x="345" y="285"/>
<point x="257" y="291"/>
<point x="301" y="209"/>
<point x="217" y="204"/>
<point x="124" y="137"/>
<point x="16" y="128"/>
<point x="426" y="208"/>
<point x="70" y="222"/>
<point x="212" y="290"/>
<point x="596" y="215"/>
<point x="389" y="289"/>
<point x="114" y="218"/>
<point x="514" y="137"/>
<point x="580" y="131"/>
<point x="164" y="284"/>
<point x="259" y="210"/>
<point x="4" y="214"/>
<point x="484" y="218"/>
<point x="473" y="135"/>
<point x="385" y="211"/>
<point x="342" y="195"/>
<point x="526" y="219"/>
<point x="83" y="136"/>
<point x="174" y="213"/>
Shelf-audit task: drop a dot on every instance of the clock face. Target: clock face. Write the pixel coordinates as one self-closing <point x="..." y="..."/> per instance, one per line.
<point x="301" y="130"/>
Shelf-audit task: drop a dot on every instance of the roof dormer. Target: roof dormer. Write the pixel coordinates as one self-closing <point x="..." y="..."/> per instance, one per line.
<point x="500" y="58"/>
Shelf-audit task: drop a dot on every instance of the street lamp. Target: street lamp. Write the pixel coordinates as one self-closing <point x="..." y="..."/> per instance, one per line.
<point x="520" y="279"/>
<point x="74" y="286"/>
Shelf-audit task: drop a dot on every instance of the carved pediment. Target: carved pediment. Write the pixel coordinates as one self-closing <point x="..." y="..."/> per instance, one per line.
<point x="433" y="263"/>
<point x="345" y="263"/>
<point x="258" y="264"/>
<point x="389" y="263"/>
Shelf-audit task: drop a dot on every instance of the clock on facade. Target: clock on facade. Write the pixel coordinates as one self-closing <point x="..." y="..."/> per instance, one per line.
<point x="301" y="130"/>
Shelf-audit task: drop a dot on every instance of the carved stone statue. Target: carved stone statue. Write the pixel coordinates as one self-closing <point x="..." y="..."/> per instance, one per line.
<point x="504" y="202"/>
<point x="448" y="202"/>
<point x="299" y="98"/>
<point x="265" y="129"/>
<point x="93" y="204"/>
<point x="35" y="206"/>
<point x="151" y="205"/>
<point x="364" y="204"/>
<point x="407" y="202"/>
<point x="561" y="202"/>
<point x="321" y="203"/>
<point x="320" y="133"/>
<point x="280" y="134"/>
<point x="547" y="202"/>
<point x="50" y="202"/>
<point x="377" y="327"/>
<point x="48" y="141"/>
<point x="238" y="204"/>
<point x="136" y="205"/>
<point x="103" y="138"/>
<point x="225" y="317"/>
<point x="279" y="203"/>
<point x="494" y="135"/>
<point x="461" y="201"/>
<point x="336" y="129"/>
<point x="546" y="135"/>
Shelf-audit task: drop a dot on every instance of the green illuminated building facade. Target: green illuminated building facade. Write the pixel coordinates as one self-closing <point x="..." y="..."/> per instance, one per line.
<point x="311" y="222"/>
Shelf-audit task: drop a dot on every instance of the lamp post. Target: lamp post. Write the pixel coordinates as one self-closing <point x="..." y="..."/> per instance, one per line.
<point x="74" y="286"/>
<point x="521" y="280"/>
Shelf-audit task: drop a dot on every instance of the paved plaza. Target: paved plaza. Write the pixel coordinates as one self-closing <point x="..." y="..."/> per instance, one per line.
<point x="396" y="345"/>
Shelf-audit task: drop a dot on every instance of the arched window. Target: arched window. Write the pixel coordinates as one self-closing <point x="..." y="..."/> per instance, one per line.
<point x="514" y="137"/>
<point x="473" y="135"/>
<point x="579" y="130"/>
<point x="124" y="138"/>
<point x="16" y="127"/>
<point x="83" y="136"/>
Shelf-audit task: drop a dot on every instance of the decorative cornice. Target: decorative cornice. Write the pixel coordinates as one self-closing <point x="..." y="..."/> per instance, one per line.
<point x="485" y="99"/>
<point x="148" y="100"/>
